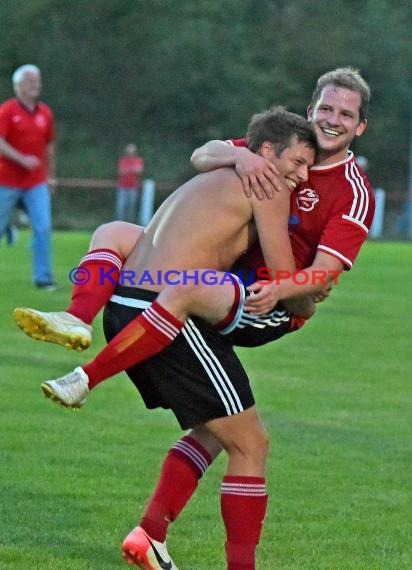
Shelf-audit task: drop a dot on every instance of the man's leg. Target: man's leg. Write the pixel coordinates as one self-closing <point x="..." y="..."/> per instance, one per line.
<point x="185" y="463"/>
<point x="131" y="214"/>
<point x="11" y="234"/>
<point x="121" y="204"/>
<point x="110" y="245"/>
<point x="243" y="492"/>
<point x="199" y="377"/>
<point x="38" y="203"/>
<point x="97" y="276"/>
<point x="147" y="335"/>
<point x="8" y="200"/>
<point x="160" y="323"/>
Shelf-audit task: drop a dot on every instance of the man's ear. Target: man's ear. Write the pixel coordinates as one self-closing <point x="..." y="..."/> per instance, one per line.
<point x="309" y="112"/>
<point x="267" y="149"/>
<point x="360" y="129"/>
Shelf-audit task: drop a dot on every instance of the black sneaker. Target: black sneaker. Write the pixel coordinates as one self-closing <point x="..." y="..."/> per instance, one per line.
<point x="49" y="286"/>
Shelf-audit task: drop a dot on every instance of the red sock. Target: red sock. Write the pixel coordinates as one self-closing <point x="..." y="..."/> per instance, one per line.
<point x="100" y="271"/>
<point x="185" y="463"/>
<point x="151" y="332"/>
<point x="243" y="504"/>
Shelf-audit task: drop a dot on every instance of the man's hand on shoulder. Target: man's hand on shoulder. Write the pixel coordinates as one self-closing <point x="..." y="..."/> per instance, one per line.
<point x="258" y="175"/>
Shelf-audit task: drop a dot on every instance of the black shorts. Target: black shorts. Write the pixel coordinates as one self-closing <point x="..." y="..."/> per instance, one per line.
<point x="246" y="329"/>
<point x="198" y="377"/>
<point x="252" y="330"/>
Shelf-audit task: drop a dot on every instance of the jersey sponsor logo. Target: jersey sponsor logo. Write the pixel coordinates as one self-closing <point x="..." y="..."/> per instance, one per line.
<point x="40" y="121"/>
<point x="307" y="199"/>
<point x="16" y="119"/>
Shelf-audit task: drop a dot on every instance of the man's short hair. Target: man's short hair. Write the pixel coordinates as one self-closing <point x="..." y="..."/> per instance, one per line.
<point x="21" y="71"/>
<point x="349" y="78"/>
<point x="279" y="127"/>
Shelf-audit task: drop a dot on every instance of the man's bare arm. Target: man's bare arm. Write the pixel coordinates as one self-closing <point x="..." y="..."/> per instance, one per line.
<point x="258" y="175"/>
<point x="214" y="154"/>
<point x="271" y="219"/>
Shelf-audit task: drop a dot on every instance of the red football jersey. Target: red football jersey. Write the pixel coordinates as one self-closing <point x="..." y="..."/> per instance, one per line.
<point x="129" y="170"/>
<point x="29" y="132"/>
<point x="332" y="212"/>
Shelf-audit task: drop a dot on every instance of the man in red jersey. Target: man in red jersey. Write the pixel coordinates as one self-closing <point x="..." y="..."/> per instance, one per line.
<point x="330" y="217"/>
<point x="332" y="212"/>
<point x="338" y="118"/>
<point x="130" y="168"/>
<point x="26" y="163"/>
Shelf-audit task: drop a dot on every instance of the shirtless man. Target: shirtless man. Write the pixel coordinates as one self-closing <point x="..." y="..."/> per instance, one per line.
<point x="207" y="223"/>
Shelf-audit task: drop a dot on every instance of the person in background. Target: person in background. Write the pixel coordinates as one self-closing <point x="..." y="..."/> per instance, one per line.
<point x="130" y="168"/>
<point x="11" y="232"/>
<point x="27" y="162"/>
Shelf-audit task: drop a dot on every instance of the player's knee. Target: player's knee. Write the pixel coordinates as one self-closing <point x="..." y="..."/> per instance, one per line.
<point x="118" y="236"/>
<point x="259" y="444"/>
<point x="181" y="298"/>
<point x="108" y="229"/>
<point x="103" y="232"/>
<point x="252" y="445"/>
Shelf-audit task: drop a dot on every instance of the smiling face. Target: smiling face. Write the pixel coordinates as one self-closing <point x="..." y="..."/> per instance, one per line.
<point x="294" y="161"/>
<point x="336" y="122"/>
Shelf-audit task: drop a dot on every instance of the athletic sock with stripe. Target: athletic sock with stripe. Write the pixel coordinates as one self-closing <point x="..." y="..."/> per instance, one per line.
<point x="94" y="280"/>
<point x="148" y="334"/>
<point x="182" y="468"/>
<point x="243" y="504"/>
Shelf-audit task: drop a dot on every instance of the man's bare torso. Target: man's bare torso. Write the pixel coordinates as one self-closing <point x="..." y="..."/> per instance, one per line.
<point x="206" y="223"/>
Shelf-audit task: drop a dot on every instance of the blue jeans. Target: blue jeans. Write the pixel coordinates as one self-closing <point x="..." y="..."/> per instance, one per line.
<point x="38" y="204"/>
<point x="126" y="202"/>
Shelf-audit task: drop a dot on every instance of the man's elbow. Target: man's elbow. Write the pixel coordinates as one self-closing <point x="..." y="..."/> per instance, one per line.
<point x="309" y="310"/>
<point x="306" y="310"/>
<point x="301" y="306"/>
<point x="198" y="159"/>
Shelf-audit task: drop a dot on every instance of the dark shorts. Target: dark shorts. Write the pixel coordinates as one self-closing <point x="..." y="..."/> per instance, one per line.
<point x="245" y="329"/>
<point x="198" y="377"/>
<point x="252" y="330"/>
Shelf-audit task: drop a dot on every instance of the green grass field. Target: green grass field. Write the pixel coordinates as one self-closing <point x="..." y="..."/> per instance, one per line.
<point x="335" y="398"/>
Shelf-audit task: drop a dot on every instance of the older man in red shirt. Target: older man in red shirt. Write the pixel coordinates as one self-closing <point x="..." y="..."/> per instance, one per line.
<point x="26" y="163"/>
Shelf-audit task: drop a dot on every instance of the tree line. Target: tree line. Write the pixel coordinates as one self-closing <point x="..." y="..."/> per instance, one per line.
<point x="171" y="74"/>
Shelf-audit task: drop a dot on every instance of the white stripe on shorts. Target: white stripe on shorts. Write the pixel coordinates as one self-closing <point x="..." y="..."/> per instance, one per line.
<point x="273" y="319"/>
<point x="213" y="368"/>
<point x="130" y="302"/>
<point x="204" y="354"/>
